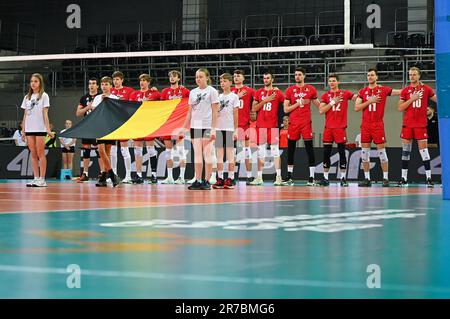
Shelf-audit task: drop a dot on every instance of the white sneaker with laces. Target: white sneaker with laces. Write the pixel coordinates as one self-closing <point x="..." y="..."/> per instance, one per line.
<point x="32" y="183"/>
<point x="40" y="183"/>
<point x="168" y="180"/>
<point x="257" y="181"/>
<point x="180" y="181"/>
<point x="127" y="180"/>
<point x="278" y="181"/>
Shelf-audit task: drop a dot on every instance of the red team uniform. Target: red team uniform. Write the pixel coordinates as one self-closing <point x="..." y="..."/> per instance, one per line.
<point x="149" y="95"/>
<point x="336" y="117"/>
<point x="372" y="125"/>
<point x="267" y="116"/>
<point x="123" y="93"/>
<point x="415" y="116"/>
<point x="245" y="107"/>
<point x="172" y="94"/>
<point x="300" y="118"/>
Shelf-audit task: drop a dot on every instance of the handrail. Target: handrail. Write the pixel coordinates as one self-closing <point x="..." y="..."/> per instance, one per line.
<point x="250" y="38"/>
<point x="288" y="37"/>
<point x="318" y="18"/>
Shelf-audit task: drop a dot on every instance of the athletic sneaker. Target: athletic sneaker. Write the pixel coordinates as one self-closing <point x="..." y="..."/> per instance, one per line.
<point x="213" y="179"/>
<point x="228" y="184"/>
<point x="402" y="183"/>
<point x="138" y="180"/>
<point x="249" y="180"/>
<point x="324" y="182"/>
<point x="191" y="181"/>
<point x="40" y="183"/>
<point x="115" y="180"/>
<point x="385" y="183"/>
<point x="180" y="181"/>
<point x="430" y="183"/>
<point x="311" y="182"/>
<point x="344" y="182"/>
<point x="168" y="180"/>
<point x="127" y="180"/>
<point x="153" y="179"/>
<point x="205" y="185"/>
<point x="32" y="183"/>
<point x="278" y="181"/>
<point x="365" y="183"/>
<point x="287" y="182"/>
<point x="83" y="178"/>
<point x="102" y="180"/>
<point x="257" y="181"/>
<point x="219" y="184"/>
<point x="196" y="185"/>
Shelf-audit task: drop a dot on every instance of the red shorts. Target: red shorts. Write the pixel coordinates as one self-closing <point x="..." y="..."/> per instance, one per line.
<point x="417" y="133"/>
<point x="244" y="133"/>
<point x="337" y="135"/>
<point x="267" y="135"/>
<point x="295" y="131"/>
<point x="373" y="132"/>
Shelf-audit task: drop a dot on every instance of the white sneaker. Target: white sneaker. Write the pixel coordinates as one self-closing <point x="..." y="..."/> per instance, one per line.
<point x="191" y="181"/>
<point x="180" y="181"/>
<point x="40" y="183"/>
<point x="257" y="181"/>
<point x="127" y="180"/>
<point x="278" y="181"/>
<point x="213" y="179"/>
<point x="168" y="180"/>
<point x="32" y="183"/>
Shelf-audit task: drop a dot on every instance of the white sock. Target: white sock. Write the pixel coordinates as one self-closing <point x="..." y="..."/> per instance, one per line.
<point x="312" y="170"/>
<point x="428" y="173"/>
<point x="139" y="174"/>
<point x="325" y="175"/>
<point x="249" y="174"/>
<point x="405" y="174"/>
<point x="114" y="158"/>
<point x="290" y="168"/>
<point x="260" y="174"/>
<point x="385" y="175"/>
<point x="343" y="175"/>
<point x="154" y="174"/>
<point x="278" y="172"/>
<point x="182" y="170"/>
<point x="220" y="174"/>
<point x="169" y="173"/>
<point x="231" y="175"/>
<point x="367" y="175"/>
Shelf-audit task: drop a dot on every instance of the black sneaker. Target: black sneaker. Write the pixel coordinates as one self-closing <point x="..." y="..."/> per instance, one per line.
<point x="365" y="183"/>
<point x="249" y="180"/>
<point x="385" y="183"/>
<point x="115" y="180"/>
<point x="402" y="183"/>
<point x="205" y="185"/>
<point x="344" y="182"/>
<point x="83" y="178"/>
<point x="153" y="179"/>
<point x="311" y="182"/>
<point x="324" y="182"/>
<point x="102" y="180"/>
<point x="196" y="185"/>
<point x="137" y="180"/>
<point x="287" y="182"/>
<point x="430" y="183"/>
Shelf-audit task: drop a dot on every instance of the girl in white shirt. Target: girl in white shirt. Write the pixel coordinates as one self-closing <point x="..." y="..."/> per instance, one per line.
<point x="202" y="118"/>
<point x="67" y="147"/>
<point x="36" y="126"/>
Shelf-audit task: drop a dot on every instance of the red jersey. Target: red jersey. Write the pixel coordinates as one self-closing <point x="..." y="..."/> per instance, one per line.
<point x="294" y="93"/>
<point x="122" y="93"/>
<point x="172" y="94"/>
<point x="268" y="113"/>
<point x="336" y="116"/>
<point x="245" y="105"/>
<point x="416" y="113"/>
<point x="149" y="95"/>
<point x="374" y="112"/>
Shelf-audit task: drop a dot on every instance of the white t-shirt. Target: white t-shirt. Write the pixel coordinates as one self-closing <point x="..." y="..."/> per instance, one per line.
<point x="201" y="100"/>
<point x="35" y="112"/>
<point x="66" y="140"/>
<point x="227" y="104"/>
<point x="99" y="98"/>
<point x="18" y="137"/>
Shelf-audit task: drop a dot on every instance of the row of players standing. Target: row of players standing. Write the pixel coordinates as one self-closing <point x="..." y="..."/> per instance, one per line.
<point x="207" y="109"/>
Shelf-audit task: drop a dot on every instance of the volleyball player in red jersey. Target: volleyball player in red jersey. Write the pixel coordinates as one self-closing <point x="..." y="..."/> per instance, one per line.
<point x="414" y="103"/>
<point x="334" y="104"/>
<point x="372" y="102"/>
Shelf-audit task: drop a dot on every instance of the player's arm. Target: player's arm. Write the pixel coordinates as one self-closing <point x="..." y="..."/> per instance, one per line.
<point x="354" y="97"/>
<point x="215" y="111"/>
<point x="324" y="107"/>
<point x="395" y="92"/>
<point x="288" y="108"/>
<point x="316" y="102"/>
<point x="257" y="105"/>
<point x="81" y="110"/>
<point x="360" y="105"/>
<point x="434" y="98"/>
<point x="403" y="105"/>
